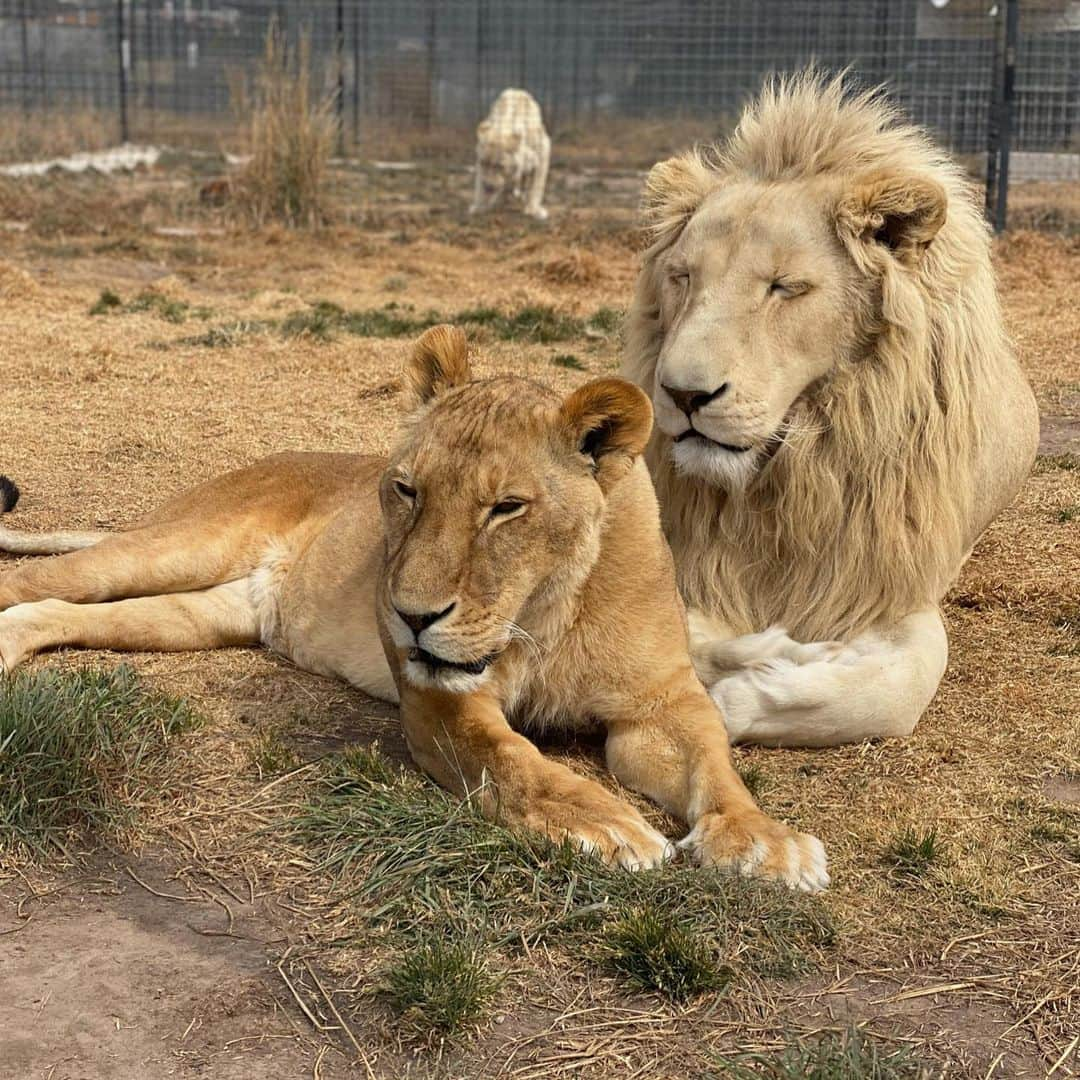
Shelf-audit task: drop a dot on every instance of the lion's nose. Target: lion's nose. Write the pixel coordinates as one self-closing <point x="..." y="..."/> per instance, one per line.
<point x="418" y="622"/>
<point x="689" y="401"/>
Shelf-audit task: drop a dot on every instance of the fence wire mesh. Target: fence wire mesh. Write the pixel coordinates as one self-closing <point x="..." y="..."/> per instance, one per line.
<point x="406" y="74"/>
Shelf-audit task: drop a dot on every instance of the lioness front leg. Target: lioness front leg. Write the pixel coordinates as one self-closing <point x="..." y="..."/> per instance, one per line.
<point x="464" y="742"/>
<point x="675" y="750"/>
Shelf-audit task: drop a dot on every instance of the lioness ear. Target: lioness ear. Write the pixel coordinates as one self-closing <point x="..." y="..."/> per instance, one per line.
<point x="439" y="361"/>
<point x="897" y="211"/>
<point x="674" y="190"/>
<point x="608" y="420"/>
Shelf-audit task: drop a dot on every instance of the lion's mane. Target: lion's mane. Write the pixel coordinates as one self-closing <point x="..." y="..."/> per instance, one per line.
<point x="864" y="513"/>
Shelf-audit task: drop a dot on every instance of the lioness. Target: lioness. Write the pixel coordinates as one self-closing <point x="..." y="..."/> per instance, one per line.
<point x="512" y="148"/>
<point x="519" y="571"/>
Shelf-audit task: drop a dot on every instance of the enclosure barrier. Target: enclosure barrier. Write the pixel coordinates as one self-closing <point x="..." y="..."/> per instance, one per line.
<point x="985" y="76"/>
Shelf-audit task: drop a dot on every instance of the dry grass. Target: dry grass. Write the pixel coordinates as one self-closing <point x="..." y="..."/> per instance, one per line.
<point x="973" y="957"/>
<point x="49" y="133"/>
<point x="291" y="140"/>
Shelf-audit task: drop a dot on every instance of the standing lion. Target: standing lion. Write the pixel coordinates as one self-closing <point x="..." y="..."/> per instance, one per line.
<point x="513" y="152"/>
<point x="839" y="413"/>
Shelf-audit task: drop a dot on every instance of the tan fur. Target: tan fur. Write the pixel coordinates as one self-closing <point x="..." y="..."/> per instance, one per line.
<point x="519" y="574"/>
<point x="886" y="418"/>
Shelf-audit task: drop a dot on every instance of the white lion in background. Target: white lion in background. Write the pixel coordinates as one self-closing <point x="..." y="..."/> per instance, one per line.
<point x="512" y="151"/>
<point x="838" y="412"/>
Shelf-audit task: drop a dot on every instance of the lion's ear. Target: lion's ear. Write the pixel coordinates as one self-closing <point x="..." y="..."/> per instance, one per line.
<point x="609" y="421"/>
<point x="899" y="212"/>
<point x="439" y="360"/>
<point x="674" y="190"/>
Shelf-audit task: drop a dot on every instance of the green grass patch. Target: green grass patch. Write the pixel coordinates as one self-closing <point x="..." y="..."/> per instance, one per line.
<point x="225" y="336"/>
<point x="911" y="853"/>
<point x="174" y="311"/>
<point x="441" y="985"/>
<point x="754" y="777"/>
<point x="537" y="323"/>
<point x="567" y="360"/>
<point x="851" y="1056"/>
<point x="414" y="864"/>
<point x="654" y="949"/>
<point x="1046" y="463"/>
<point x="80" y="753"/>
<point x="1068" y="513"/>
<point x="271" y="755"/>
<point x="106" y="302"/>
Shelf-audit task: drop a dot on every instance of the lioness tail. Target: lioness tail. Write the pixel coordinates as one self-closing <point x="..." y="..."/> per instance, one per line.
<point x="42" y="543"/>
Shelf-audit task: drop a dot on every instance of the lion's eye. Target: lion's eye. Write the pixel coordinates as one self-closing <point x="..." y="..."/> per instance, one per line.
<point x="787" y="289"/>
<point x="507" y="508"/>
<point x="679" y="277"/>
<point x="405" y="491"/>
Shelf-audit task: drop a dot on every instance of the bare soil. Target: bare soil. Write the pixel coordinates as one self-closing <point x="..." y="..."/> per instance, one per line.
<point x="102" y="416"/>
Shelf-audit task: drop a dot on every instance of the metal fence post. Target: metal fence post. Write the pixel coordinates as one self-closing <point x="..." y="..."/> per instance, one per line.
<point x="993" y="120"/>
<point x="122" y="48"/>
<point x="339" y="57"/>
<point x="1008" y="86"/>
<point x="24" y="38"/>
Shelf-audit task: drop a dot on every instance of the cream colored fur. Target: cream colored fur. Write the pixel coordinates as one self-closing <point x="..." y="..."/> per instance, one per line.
<point x="826" y="275"/>
<point x="503" y="570"/>
<point x="513" y="153"/>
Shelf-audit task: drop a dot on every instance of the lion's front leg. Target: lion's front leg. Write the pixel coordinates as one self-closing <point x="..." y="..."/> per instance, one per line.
<point x="538" y="181"/>
<point x="875" y="686"/>
<point x="674" y="749"/>
<point x="464" y="742"/>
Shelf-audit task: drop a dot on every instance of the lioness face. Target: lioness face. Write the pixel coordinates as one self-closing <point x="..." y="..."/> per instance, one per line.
<point x="492" y="505"/>
<point x="758" y="300"/>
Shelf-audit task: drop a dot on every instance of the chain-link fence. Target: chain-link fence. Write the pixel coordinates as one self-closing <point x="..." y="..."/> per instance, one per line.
<point x="408" y="73"/>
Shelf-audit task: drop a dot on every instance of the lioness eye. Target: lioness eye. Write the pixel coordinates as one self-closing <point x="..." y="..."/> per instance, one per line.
<point x="679" y="277"/>
<point x="507" y="507"/>
<point x="406" y="491"/>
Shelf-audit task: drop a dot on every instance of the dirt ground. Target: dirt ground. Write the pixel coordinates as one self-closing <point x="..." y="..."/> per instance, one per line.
<point x="167" y="959"/>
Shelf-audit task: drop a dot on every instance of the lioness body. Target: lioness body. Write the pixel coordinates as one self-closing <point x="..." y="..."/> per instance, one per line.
<point x="561" y="610"/>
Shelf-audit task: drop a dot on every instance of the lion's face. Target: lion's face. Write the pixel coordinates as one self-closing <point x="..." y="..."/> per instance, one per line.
<point x="492" y="504"/>
<point x="758" y="301"/>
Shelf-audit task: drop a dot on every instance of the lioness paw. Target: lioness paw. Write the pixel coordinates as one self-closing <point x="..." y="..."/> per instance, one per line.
<point x="603" y="825"/>
<point x="755" y="845"/>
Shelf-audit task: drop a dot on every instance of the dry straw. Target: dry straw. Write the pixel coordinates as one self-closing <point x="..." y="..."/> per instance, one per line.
<point x="291" y="139"/>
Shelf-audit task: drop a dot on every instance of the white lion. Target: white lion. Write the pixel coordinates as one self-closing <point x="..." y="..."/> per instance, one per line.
<point x="839" y="413"/>
<point x="512" y="150"/>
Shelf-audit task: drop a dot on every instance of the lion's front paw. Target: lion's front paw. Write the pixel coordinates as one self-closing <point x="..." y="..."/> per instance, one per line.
<point x="600" y="823"/>
<point x="755" y="845"/>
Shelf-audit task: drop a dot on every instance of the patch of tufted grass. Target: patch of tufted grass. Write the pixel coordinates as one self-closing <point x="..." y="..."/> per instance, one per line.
<point x="441" y="986"/>
<point x="853" y="1055"/>
<point x="412" y="865"/>
<point x="911" y="853"/>
<point x="81" y="754"/>
<point x="652" y="949"/>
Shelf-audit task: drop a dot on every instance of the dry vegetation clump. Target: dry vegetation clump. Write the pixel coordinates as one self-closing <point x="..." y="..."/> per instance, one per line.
<point x="291" y="141"/>
<point x="47" y="133"/>
<point x="576" y="267"/>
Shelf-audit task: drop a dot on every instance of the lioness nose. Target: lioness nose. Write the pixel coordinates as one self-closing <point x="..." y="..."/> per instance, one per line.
<point x="418" y="623"/>
<point x="689" y="401"/>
